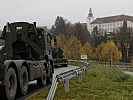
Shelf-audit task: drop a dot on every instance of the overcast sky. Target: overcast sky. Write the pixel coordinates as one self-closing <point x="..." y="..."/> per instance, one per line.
<point x="44" y="12"/>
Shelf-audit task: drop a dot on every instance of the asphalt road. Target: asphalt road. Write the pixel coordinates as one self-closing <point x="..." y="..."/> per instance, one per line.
<point x="34" y="88"/>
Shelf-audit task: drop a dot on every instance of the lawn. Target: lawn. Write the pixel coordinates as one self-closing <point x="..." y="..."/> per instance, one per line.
<point x="102" y="83"/>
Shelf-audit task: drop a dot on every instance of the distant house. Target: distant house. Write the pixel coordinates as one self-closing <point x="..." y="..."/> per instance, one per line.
<point x="108" y="24"/>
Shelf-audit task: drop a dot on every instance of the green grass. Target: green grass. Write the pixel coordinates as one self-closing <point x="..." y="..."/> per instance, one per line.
<point x="76" y="64"/>
<point x="102" y="83"/>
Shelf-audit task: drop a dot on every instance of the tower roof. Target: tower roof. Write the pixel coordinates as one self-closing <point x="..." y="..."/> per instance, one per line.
<point x="90" y="13"/>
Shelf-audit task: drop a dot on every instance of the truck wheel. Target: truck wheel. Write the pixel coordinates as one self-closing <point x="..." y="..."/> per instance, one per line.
<point x="41" y="81"/>
<point x="11" y="84"/>
<point x="50" y="77"/>
<point x="24" y="81"/>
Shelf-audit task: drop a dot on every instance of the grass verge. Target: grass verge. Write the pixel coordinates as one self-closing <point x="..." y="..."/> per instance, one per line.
<point x="102" y="83"/>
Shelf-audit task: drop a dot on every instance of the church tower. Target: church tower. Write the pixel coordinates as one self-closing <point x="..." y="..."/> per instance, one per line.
<point x="90" y="19"/>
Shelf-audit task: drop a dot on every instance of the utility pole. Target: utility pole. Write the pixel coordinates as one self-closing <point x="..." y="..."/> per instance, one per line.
<point x="111" y="51"/>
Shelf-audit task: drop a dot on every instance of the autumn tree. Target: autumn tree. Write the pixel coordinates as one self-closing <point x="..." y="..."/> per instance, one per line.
<point x="60" y="40"/>
<point x="72" y="48"/>
<point x="99" y="51"/>
<point x="131" y="60"/>
<point x="108" y="50"/>
<point x="87" y="49"/>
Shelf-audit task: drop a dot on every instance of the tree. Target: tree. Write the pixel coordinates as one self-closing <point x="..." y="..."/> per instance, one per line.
<point x="59" y="27"/>
<point x="96" y="37"/>
<point x="60" y="40"/>
<point x="87" y="49"/>
<point x="99" y="51"/>
<point x="95" y="31"/>
<point x="72" y="48"/>
<point x="124" y="38"/>
<point x="131" y="60"/>
<point x="69" y="30"/>
<point x="107" y="51"/>
<point x="78" y="30"/>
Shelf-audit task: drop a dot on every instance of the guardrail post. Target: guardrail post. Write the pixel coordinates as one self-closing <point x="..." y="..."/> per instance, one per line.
<point x="86" y="70"/>
<point x="80" y="77"/>
<point x="52" y="89"/>
<point x="66" y="85"/>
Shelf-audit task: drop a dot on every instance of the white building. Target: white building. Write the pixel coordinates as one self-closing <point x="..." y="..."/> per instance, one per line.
<point x="108" y="24"/>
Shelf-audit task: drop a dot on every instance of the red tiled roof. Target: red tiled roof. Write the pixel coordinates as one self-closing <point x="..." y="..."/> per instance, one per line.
<point x="113" y="19"/>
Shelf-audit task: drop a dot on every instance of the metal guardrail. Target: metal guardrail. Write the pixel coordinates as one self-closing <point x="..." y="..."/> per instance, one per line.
<point x="113" y="63"/>
<point x="64" y="77"/>
<point x="119" y="65"/>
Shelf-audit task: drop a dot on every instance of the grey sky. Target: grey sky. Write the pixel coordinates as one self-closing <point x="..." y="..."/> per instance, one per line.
<point x="44" y="12"/>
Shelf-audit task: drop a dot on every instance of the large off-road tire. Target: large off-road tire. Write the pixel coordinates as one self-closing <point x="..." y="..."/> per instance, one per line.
<point x="50" y="77"/>
<point x="24" y="81"/>
<point x="42" y="81"/>
<point x="10" y="87"/>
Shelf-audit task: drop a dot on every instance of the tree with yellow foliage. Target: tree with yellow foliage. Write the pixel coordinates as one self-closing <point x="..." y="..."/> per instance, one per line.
<point x="99" y="52"/>
<point x="72" y="48"/>
<point x="108" y="50"/>
<point x="60" y="39"/>
<point x="87" y="49"/>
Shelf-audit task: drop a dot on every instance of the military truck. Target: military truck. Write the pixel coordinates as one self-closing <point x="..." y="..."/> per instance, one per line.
<point x="25" y="56"/>
<point x="58" y="57"/>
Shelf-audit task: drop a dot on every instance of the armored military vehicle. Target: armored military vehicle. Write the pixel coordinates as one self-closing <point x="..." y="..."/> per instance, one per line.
<point x="58" y="57"/>
<point x="25" y="56"/>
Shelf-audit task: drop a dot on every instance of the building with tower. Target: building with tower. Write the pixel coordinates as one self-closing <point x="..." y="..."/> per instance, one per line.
<point x="108" y="24"/>
<point x="90" y="19"/>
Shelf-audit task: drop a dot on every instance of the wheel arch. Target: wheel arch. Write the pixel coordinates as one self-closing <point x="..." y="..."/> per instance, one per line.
<point x="13" y="65"/>
<point x="10" y="64"/>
